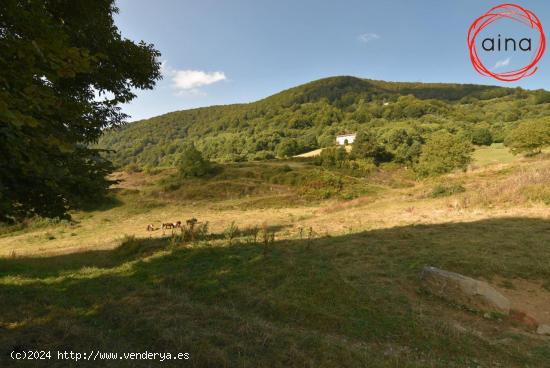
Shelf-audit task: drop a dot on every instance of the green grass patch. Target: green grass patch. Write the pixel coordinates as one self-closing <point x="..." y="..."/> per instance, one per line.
<point x="343" y="301"/>
<point x="497" y="153"/>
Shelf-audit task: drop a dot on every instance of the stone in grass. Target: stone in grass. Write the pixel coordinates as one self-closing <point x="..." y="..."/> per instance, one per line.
<point x="463" y="290"/>
<point x="543" y="330"/>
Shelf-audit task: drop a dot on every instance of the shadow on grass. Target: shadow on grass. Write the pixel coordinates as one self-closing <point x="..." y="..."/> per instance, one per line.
<point x="338" y="301"/>
<point x="130" y="249"/>
<point x="53" y="266"/>
<point x="107" y="203"/>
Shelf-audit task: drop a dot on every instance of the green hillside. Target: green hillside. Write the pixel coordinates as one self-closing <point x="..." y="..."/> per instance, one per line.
<point x="309" y="116"/>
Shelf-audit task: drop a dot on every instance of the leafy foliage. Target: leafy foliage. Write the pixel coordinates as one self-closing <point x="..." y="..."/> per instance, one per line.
<point x="192" y="164"/>
<point x="403" y="144"/>
<point x="332" y="157"/>
<point x="482" y="137"/>
<point x="55" y="56"/>
<point x="367" y="146"/>
<point x="307" y="117"/>
<point x="442" y="153"/>
<point x="529" y="137"/>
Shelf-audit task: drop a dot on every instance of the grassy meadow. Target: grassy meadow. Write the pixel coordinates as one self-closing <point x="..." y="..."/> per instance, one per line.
<point x="497" y="153"/>
<point x="296" y="267"/>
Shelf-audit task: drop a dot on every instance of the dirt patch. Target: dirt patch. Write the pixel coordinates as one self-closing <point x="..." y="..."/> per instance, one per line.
<point x="527" y="296"/>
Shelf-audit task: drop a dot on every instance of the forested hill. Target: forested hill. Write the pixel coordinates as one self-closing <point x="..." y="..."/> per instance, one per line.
<point x="309" y="116"/>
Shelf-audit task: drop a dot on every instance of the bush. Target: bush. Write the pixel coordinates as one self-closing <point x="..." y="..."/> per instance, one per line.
<point x="264" y="155"/>
<point x="529" y="137"/>
<point x="366" y="146"/>
<point x="360" y="167"/>
<point x="404" y="145"/>
<point x="192" y="165"/>
<point x="287" y="148"/>
<point x="443" y="153"/>
<point x="482" y="137"/>
<point x="332" y="157"/>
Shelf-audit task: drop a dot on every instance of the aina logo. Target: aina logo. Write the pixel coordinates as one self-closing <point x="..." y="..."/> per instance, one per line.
<point x="499" y="43"/>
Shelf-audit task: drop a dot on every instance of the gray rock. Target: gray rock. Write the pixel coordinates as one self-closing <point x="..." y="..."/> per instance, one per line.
<point x="543" y="330"/>
<point x="464" y="290"/>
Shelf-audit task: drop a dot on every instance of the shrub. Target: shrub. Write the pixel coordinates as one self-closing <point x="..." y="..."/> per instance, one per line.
<point x="287" y="148"/>
<point x="264" y="155"/>
<point x="443" y="153"/>
<point x="360" y="167"/>
<point x="366" y="146"/>
<point x="529" y="137"/>
<point x="482" y="137"/>
<point x="332" y="157"/>
<point x="231" y="232"/>
<point x="194" y="231"/>
<point x="403" y="144"/>
<point x="192" y="164"/>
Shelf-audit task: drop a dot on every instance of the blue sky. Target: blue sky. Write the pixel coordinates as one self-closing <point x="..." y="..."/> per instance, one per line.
<point x="221" y="52"/>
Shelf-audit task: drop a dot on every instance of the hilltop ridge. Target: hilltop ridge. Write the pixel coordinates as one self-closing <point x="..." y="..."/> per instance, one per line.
<point x="307" y="117"/>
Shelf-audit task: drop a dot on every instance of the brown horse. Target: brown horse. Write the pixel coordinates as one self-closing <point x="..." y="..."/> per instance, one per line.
<point x="171" y="225"/>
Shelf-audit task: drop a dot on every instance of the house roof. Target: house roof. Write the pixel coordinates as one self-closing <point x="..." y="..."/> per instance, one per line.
<point x="345" y="135"/>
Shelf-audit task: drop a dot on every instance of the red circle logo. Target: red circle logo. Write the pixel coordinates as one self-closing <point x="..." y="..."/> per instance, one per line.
<point x="515" y="13"/>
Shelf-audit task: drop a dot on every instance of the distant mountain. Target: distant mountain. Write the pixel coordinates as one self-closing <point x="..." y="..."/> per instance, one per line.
<point x="309" y="116"/>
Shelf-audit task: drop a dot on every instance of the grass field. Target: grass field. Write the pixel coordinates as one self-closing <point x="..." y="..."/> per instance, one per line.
<point x="496" y="154"/>
<point x="307" y="281"/>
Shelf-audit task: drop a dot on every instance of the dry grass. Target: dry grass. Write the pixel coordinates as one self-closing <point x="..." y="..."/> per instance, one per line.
<point x="338" y="301"/>
<point x="514" y="189"/>
<point x="322" y="284"/>
<point x="525" y="185"/>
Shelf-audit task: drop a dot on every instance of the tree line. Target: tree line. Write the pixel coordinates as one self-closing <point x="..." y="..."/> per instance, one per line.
<point x="310" y="116"/>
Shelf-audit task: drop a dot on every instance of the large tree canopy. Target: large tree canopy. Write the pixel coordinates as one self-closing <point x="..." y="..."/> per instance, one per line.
<point x="64" y="69"/>
<point x="444" y="152"/>
<point x="529" y="137"/>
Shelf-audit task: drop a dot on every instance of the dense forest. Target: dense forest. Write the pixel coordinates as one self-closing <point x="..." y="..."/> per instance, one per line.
<point x="309" y="116"/>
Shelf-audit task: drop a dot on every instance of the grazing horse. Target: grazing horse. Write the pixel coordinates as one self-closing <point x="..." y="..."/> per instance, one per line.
<point x="171" y="225"/>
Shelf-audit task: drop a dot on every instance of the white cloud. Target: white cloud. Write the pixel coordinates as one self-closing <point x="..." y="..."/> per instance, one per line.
<point x="194" y="92"/>
<point x="191" y="79"/>
<point x="188" y="82"/>
<point x="165" y="69"/>
<point x="502" y="63"/>
<point x="368" y="37"/>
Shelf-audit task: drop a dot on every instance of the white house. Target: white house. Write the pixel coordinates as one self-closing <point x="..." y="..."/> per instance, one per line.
<point x="346" y="138"/>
